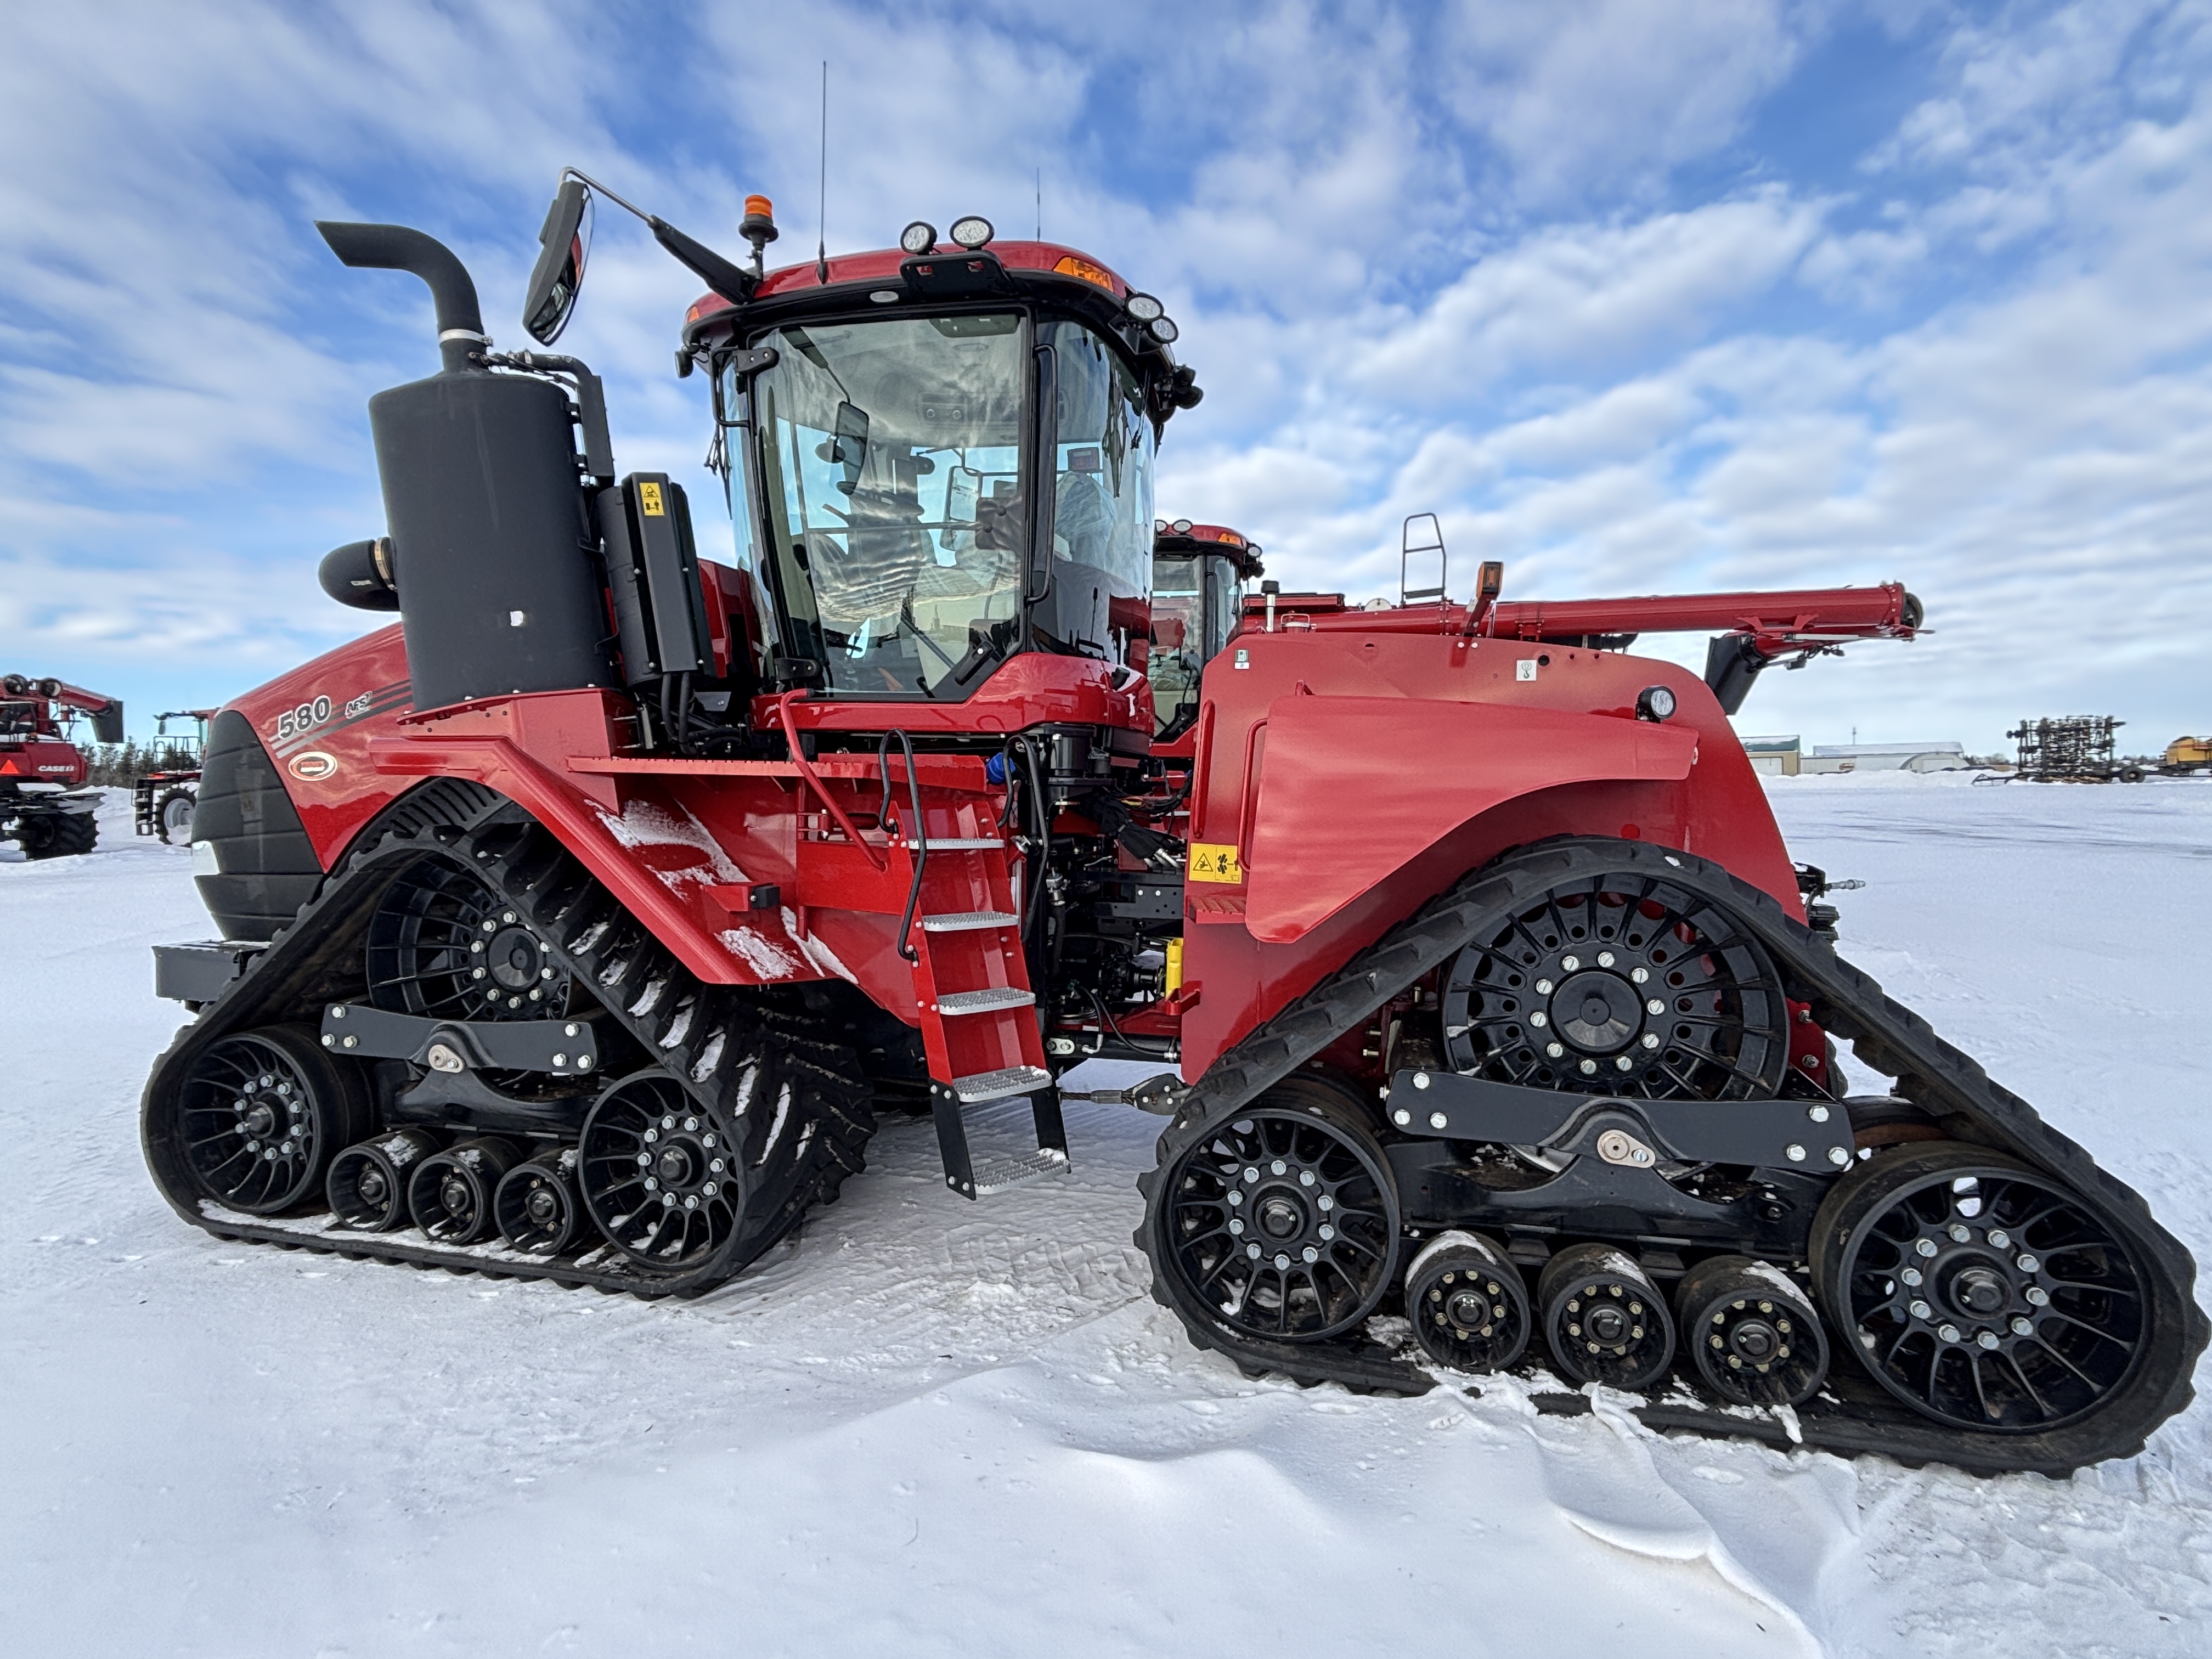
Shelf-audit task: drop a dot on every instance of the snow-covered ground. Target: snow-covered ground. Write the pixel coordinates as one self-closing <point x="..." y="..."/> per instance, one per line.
<point x="933" y="1427"/>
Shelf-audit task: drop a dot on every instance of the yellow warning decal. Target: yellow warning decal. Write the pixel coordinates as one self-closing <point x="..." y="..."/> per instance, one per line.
<point x="1209" y="862"/>
<point x="648" y="499"/>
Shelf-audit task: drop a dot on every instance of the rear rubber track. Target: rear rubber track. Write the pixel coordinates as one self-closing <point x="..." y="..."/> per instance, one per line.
<point x="705" y="1036"/>
<point x="1852" y="1416"/>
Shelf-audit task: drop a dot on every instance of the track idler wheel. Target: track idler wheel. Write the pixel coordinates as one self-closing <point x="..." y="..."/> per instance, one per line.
<point x="661" y="1175"/>
<point x="450" y="1196"/>
<point x="1981" y="1293"/>
<point x="1282" y="1225"/>
<point x="537" y="1206"/>
<point x="1752" y="1334"/>
<point x="1468" y="1307"/>
<point x="1604" y="1320"/>
<point x="367" y="1183"/>
<point x="259" y="1116"/>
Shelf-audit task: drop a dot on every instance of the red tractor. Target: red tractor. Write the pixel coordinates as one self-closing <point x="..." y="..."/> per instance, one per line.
<point x="44" y="808"/>
<point x="584" y="924"/>
<point x="161" y="801"/>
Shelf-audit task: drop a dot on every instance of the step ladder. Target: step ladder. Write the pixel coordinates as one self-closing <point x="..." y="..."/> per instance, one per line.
<point x="977" y="1008"/>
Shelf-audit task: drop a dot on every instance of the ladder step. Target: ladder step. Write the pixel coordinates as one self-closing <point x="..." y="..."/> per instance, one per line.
<point x="964" y="921"/>
<point x="996" y="1085"/>
<point x="958" y="844"/>
<point x="985" y="1001"/>
<point x="1004" y="1172"/>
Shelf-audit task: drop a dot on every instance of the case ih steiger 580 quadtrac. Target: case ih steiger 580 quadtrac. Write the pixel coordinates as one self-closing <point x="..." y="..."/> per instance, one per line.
<point x="581" y="926"/>
<point x="43" y="807"/>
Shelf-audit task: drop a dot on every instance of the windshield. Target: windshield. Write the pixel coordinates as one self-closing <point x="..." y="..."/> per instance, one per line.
<point x="889" y="461"/>
<point x="1195" y="603"/>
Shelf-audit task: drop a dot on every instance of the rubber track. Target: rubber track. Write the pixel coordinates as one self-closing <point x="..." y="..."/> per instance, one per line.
<point x="1849" y="1004"/>
<point x="703" y="1035"/>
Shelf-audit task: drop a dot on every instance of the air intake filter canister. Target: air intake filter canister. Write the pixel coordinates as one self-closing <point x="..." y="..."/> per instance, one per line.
<point x="499" y="588"/>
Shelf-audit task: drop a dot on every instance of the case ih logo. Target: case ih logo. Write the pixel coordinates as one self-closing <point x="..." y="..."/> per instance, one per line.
<point x="311" y="767"/>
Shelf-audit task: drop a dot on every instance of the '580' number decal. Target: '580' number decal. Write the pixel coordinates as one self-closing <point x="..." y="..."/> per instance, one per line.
<point x="308" y="716"/>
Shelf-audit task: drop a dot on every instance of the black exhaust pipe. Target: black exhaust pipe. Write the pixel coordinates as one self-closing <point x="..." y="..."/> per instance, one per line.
<point x="491" y="552"/>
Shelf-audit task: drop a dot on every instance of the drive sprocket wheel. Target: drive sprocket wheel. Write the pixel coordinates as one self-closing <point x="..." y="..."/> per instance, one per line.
<point x="260" y="1115"/>
<point x="1981" y="1293"/>
<point x="1618" y="983"/>
<point x="442" y="945"/>
<point x="1281" y="1224"/>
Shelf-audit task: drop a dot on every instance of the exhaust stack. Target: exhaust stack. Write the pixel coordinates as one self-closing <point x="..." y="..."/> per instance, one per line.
<point x="491" y="552"/>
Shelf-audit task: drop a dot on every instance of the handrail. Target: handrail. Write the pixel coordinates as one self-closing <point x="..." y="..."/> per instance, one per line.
<point x="814" y="779"/>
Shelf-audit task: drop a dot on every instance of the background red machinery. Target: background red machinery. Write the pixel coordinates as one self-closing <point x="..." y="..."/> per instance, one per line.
<point x="44" y="809"/>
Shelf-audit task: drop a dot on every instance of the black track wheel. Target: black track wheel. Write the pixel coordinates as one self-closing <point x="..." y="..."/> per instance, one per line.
<point x="1982" y="1293"/>
<point x="1753" y="1335"/>
<point x="1605" y="1321"/>
<point x="450" y="1194"/>
<point x="366" y="1187"/>
<point x="173" y="816"/>
<point x="59" y="834"/>
<point x="1468" y="1306"/>
<point x="537" y="1207"/>
<point x="259" y="1116"/>
<point x="1282" y="1225"/>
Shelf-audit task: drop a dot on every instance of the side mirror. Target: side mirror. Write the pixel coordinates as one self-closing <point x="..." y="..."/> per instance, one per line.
<point x="1424" y="539"/>
<point x="848" y="447"/>
<point x="559" y="273"/>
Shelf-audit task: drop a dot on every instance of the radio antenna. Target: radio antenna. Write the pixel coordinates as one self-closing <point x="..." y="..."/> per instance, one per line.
<point x="1040" y="203"/>
<point x="822" y="210"/>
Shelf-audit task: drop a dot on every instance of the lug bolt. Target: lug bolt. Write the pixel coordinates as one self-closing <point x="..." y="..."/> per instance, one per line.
<point x="1325" y="1201"/>
<point x="691" y="1203"/>
<point x="1306" y="1177"/>
<point x="1924" y="1247"/>
<point x="476" y="947"/>
<point x="1279" y="1167"/>
<point x="535" y="993"/>
<point x="1651" y="1039"/>
<point x="1252" y="1250"/>
<point x="559" y="1059"/>
<point x="1622" y="1063"/>
<point x="267" y="1081"/>
<point x="568" y="1030"/>
<point x="1911" y="1275"/>
<point x="1311" y="1253"/>
<point x="1794" y="1152"/>
<point x="1553" y="1050"/>
<point x="1327" y="1232"/>
<point x="2037" y="1297"/>
<point x="1637" y="975"/>
<point x="329" y="1042"/>
<point x="1605" y="958"/>
<point x="1569" y="963"/>
<point x="1251" y="1176"/>
<point x="652" y="1184"/>
<point x="1543" y="988"/>
<point x="1402" y="1117"/>
<point x="1281" y="1261"/>
<point x="1818" y="1113"/>
<point x="491" y="928"/>
<point x="668" y="1200"/>
<point x="643" y="1159"/>
<point x="545" y="973"/>
<point x="1655" y="1007"/>
<point x="1986" y="1339"/>
<point x="668" y="1122"/>
<point x="1839" y="1156"/>
<point x="709" y="1189"/>
<point x="1420" y="1080"/>
<point x="652" y="1135"/>
<point x="1920" y="1311"/>
<point x="704" y="1140"/>
<point x="2022" y="1326"/>
<point x="2000" y="1239"/>
<point x="1539" y="1019"/>
<point x="1948" y="1333"/>
<point x="691" y="1124"/>
<point x="508" y="916"/>
<point x="1235" y="1197"/>
<point x="2027" y="1264"/>
<point x="1235" y="1226"/>
<point x="715" y="1164"/>
<point x="476" y="973"/>
<point x="1438" y="1120"/>
<point x="1588" y="1068"/>
<point x="583" y="1062"/>
<point x="1960" y="1234"/>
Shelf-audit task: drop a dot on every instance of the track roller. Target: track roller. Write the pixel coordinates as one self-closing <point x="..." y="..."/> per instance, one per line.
<point x="367" y="1183"/>
<point x="1468" y="1307"/>
<point x="450" y="1195"/>
<point x="1603" y="1319"/>
<point x="1752" y="1334"/>
<point x="536" y="1206"/>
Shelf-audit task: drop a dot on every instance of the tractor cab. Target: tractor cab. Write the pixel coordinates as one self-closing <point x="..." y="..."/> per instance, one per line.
<point x="940" y="459"/>
<point x="1199" y="572"/>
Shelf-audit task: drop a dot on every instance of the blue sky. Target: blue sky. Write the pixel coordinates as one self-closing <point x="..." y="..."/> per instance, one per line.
<point x="1638" y="296"/>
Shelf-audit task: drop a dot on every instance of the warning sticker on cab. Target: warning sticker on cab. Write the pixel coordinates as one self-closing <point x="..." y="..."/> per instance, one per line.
<point x="648" y="499"/>
<point x="1210" y="862"/>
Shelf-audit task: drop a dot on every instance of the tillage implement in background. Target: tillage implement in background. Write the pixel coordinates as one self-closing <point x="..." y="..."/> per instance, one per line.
<point x="584" y="924"/>
<point x="45" y="808"/>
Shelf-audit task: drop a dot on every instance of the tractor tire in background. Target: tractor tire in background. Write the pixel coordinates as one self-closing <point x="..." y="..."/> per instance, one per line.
<point x="173" y="818"/>
<point x="57" y="834"/>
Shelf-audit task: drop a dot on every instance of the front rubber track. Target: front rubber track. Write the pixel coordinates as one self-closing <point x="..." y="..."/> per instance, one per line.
<point x="687" y="1025"/>
<point x="1848" y="1004"/>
